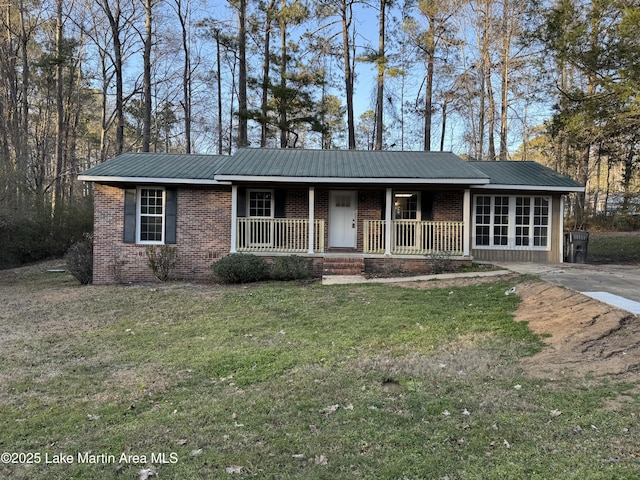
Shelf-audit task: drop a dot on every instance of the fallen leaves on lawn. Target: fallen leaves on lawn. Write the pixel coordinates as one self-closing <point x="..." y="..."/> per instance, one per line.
<point x="330" y="409"/>
<point x="145" y="473"/>
<point x="320" y="460"/>
<point x="234" y="469"/>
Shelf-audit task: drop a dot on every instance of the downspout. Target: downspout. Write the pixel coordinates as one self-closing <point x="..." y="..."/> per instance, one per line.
<point x="561" y="230"/>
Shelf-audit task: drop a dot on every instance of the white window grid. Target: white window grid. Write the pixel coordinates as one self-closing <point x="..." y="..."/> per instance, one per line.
<point x="151" y="212"/>
<point x="512" y="222"/>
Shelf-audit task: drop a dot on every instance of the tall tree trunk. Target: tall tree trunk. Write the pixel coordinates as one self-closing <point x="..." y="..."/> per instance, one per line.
<point x="146" y="82"/>
<point x="381" y="64"/>
<point x="57" y="194"/>
<point x="114" y="23"/>
<point x="243" y="139"/>
<point x="282" y="107"/>
<point x="266" y="74"/>
<point x="491" y="113"/>
<point x="346" y="17"/>
<point x="506" y="53"/>
<point x="445" y="104"/>
<point x="219" y="85"/>
<point x="428" y="104"/>
<point x="183" y="17"/>
<point x="23" y="154"/>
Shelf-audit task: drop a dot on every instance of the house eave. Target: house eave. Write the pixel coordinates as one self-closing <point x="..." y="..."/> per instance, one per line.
<point x="530" y="188"/>
<point x="150" y="180"/>
<point x="353" y="180"/>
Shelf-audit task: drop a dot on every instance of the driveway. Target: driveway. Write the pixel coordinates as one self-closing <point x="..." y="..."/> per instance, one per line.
<point x="618" y="285"/>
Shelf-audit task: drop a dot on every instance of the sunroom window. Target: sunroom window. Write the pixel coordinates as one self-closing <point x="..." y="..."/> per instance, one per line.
<point x="512" y="222"/>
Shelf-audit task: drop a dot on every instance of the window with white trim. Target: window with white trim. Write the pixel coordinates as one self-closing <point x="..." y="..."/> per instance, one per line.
<point x="512" y="222"/>
<point x="260" y="203"/>
<point x="151" y="215"/>
<point x="405" y="206"/>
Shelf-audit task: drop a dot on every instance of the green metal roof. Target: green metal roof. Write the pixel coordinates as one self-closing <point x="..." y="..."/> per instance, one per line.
<point x="297" y="163"/>
<point x="151" y="166"/>
<point x="328" y="166"/>
<point x="525" y="173"/>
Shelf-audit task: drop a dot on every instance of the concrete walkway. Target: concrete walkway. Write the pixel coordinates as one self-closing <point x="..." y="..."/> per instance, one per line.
<point x="617" y="285"/>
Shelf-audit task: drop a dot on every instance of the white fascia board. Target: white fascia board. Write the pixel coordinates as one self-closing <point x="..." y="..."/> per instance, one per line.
<point x="539" y="188"/>
<point x="150" y="180"/>
<point x="350" y="181"/>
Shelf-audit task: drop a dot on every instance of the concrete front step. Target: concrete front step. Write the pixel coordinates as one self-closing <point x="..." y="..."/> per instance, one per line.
<point x="343" y="266"/>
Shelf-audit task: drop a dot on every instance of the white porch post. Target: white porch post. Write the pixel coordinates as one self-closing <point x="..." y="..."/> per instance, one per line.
<point x="561" y="229"/>
<point x="466" y="229"/>
<point x="234" y="217"/>
<point x="312" y="206"/>
<point x="387" y="222"/>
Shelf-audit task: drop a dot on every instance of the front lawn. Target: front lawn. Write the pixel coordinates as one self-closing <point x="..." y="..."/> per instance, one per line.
<point x="282" y="380"/>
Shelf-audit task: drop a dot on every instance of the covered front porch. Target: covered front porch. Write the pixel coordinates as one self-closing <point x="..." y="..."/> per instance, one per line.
<point x="373" y="222"/>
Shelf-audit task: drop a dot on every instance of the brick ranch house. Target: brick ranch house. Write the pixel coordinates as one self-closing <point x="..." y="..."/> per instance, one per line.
<point x="346" y="211"/>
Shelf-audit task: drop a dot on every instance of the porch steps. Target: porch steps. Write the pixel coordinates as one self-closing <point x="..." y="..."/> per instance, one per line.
<point x="343" y="266"/>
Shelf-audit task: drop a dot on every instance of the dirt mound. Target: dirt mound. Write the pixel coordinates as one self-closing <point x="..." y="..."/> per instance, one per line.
<point x="585" y="336"/>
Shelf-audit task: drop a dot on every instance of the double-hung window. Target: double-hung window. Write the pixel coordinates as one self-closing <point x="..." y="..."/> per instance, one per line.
<point x="151" y="215"/>
<point x="512" y="222"/>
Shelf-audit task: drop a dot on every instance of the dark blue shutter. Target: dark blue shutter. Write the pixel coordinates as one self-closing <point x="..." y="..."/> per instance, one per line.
<point x="280" y="200"/>
<point x="130" y="196"/>
<point x="427" y="206"/>
<point x="242" y="202"/>
<point x="170" y="214"/>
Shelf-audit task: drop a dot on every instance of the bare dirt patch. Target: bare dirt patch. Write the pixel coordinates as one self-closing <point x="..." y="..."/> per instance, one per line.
<point x="583" y="336"/>
<point x="586" y="337"/>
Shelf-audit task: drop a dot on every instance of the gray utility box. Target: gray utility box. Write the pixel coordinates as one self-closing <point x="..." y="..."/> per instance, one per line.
<point x="575" y="247"/>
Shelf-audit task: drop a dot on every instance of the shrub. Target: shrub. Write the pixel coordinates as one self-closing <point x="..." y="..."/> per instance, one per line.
<point x="240" y="268"/>
<point x="162" y="260"/>
<point x="291" y="267"/>
<point x="441" y="263"/>
<point x="79" y="260"/>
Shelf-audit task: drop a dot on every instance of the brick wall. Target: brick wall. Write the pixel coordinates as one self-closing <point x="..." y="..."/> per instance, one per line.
<point x="447" y="206"/>
<point x="202" y="235"/>
<point x="412" y="266"/>
<point x="297" y="203"/>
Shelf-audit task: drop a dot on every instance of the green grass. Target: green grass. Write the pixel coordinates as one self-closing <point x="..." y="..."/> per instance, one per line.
<point x="614" y="247"/>
<point x="280" y="380"/>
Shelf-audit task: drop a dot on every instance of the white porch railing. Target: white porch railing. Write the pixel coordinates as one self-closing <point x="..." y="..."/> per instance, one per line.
<point x="410" y="237"/>
<point x="282" y="235"/>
